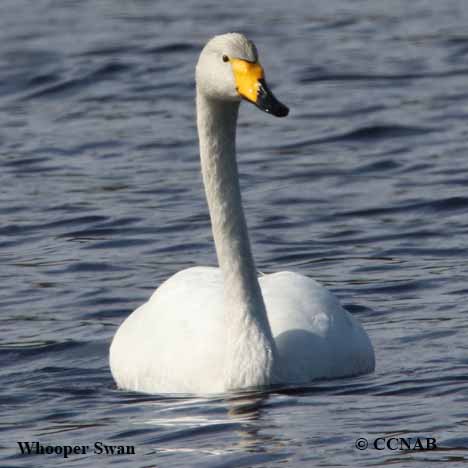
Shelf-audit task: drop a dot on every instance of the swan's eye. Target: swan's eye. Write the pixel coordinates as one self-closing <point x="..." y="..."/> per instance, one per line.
<point x="225" y="58"/>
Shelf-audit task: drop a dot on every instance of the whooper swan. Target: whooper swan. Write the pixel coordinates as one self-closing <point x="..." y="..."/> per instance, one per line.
<point x="211" y="330"/>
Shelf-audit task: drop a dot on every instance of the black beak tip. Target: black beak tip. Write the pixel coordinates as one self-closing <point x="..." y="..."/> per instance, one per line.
<point x="281" y="110"/>
<point x="268" y="103"/>
<point x="275" y="108"/>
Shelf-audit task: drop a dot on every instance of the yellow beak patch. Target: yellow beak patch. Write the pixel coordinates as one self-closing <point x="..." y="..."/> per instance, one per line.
<point x="247" y="76"/>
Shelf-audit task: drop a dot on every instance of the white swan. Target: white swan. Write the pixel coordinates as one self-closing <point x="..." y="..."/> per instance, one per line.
<point x="210" y="330"/>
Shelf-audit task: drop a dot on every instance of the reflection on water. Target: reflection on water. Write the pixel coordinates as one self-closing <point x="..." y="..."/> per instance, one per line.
<point x="236" y="413"/>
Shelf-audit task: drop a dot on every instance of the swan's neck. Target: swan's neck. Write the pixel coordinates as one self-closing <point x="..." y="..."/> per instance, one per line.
<point x="251" y="353"/>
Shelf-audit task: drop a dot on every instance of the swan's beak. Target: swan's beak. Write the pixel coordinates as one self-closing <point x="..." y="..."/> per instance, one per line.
<point x="251" y="85"/>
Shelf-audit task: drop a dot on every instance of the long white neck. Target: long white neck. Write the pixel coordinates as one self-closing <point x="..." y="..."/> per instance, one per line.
<point x="251" y="358"/>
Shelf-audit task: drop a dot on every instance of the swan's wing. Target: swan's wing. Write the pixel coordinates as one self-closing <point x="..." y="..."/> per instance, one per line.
<point x="315" y="336"/>
<point x="176" y="339"/>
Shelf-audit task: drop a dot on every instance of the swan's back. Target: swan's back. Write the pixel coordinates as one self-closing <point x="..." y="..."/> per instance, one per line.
<point x="176" y="342"/>
<point x="316" y="337"/>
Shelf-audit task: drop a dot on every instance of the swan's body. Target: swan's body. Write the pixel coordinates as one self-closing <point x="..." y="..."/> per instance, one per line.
<point x="176" y="342"/>
<point x="209" y="330"/>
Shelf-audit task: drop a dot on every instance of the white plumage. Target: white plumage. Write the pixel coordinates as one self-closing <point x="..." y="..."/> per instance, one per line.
<point x="210" y="330"/>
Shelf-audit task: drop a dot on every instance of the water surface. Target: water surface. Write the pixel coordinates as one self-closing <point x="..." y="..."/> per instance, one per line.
<point x="362" y="187"/>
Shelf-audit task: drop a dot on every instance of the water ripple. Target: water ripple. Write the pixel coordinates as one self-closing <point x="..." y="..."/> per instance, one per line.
<point x="362" y="187"/>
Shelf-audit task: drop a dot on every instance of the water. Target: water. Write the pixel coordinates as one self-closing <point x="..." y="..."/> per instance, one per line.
<point x="363" y="187"/>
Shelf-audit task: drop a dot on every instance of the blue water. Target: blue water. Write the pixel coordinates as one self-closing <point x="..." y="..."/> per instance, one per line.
<point x="363" y="187"/>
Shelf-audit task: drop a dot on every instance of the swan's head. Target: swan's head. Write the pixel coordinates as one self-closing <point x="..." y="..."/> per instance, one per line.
<point x="228" y="70"/>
